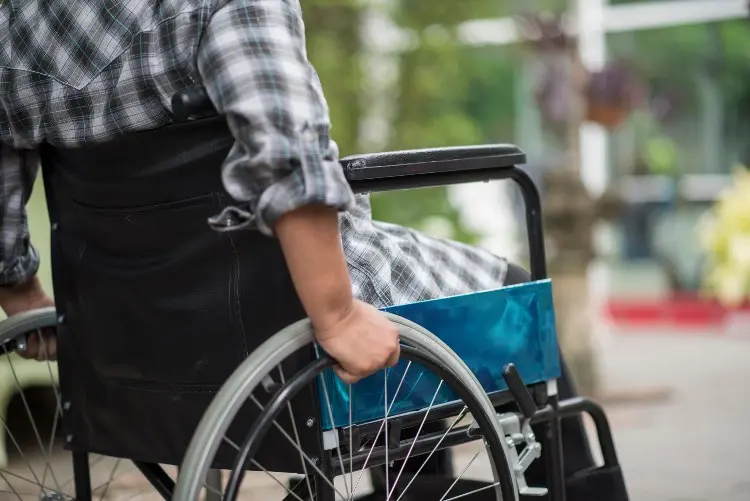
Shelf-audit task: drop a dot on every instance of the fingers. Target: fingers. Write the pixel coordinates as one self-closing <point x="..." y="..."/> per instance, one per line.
<point x="349" y="377"/>
<point x="346" y="376"/>
<point x="393" y="360"/>
<point x="41" y="347"/>
<point x="48" y="348"/>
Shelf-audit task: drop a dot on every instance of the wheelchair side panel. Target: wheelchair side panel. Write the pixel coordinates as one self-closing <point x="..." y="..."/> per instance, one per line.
<point x="486" y="329"/>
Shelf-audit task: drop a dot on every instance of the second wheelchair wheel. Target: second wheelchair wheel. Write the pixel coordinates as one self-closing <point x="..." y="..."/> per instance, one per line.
<point x="34" y="465"/>
<point x="286" y="396"/>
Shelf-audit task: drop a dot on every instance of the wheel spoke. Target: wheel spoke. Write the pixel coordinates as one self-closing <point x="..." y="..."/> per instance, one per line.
<point x="275" y="479"/>
<point x="50" y="445"/>
<point x="419" y="430"/>
<point x="58" y="405"/>
<point x="299" y="449"/>
<point x="20" y="453"/>
<point x="490" y="486"/>
<point x="231" y="443"/>
<point x="18" y="495"/>
<point x="460" y="476"/>
<point x="387" y="444"/>
<point x="296" y="436"/>
<point x="333" y="428"/>
<point x="380" y="430"/>
<point x="106" y="484"/>
<point x="351" y="442"/>
<point x="434" y="449"/>
<point x="212" y="489"/>
<point x="32" y="482"/>
<point x="33" y="422"/>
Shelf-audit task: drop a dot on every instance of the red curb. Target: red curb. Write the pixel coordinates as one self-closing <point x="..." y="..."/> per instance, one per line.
<point x="678" y="311"/>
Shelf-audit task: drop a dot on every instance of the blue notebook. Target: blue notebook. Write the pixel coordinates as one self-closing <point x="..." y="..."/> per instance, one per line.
<point x="486" y="329"/>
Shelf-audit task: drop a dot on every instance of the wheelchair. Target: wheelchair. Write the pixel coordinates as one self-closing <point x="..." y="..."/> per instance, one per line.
<point x="175" y="397"/>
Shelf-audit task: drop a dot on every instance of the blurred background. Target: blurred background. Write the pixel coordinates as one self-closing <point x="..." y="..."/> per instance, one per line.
<point x="635" y="116"/>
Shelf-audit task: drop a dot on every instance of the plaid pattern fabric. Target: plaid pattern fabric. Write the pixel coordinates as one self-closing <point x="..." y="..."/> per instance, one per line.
<point x="75" y="72"/>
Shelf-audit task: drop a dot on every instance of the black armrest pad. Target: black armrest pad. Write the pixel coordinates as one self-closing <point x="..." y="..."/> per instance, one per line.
<point x="432" y="161"/>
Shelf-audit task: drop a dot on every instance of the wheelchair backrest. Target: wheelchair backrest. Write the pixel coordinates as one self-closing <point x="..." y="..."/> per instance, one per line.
<point x="156" y="309"/>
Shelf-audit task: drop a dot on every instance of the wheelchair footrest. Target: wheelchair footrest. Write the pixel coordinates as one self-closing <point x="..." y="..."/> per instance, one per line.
<point x="605" y="483"/>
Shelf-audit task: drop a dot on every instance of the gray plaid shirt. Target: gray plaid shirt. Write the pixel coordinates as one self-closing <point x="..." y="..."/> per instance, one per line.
<point x="75" y="72"/>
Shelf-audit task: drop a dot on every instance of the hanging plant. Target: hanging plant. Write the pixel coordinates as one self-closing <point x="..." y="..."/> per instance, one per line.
<point x="612" y="93"/>
<point x="608" y="96"/>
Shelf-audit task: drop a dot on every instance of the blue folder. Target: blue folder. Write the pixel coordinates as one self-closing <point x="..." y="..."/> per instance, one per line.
<point x="486" y="329"/>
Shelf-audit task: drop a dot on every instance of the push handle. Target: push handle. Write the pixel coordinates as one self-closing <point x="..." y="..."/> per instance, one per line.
<point x="519" y="391"/>
<point x="191" y="103"/>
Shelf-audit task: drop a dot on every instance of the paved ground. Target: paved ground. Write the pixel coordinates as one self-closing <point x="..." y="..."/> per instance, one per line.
<point x="694" y="446"/>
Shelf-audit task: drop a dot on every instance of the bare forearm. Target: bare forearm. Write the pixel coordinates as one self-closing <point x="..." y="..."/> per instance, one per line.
<point x="25" y="296"/>
<point x="311" y="242"/>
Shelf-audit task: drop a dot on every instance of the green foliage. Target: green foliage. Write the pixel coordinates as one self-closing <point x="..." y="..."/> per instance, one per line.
<point x="446" y="94"/>
<point x="430" y="114"/>
<point x="660" y="155"/>
<point x="333" y="46"/>
<point x="451" y="95"/>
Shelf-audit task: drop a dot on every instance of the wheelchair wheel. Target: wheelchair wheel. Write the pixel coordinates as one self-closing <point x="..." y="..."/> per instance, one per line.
<point x="333" y="468"/>
<point x="33" y="463"/>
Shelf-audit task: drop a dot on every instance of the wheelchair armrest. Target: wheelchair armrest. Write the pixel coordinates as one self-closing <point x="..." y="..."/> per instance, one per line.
<point x="430" y="167"/>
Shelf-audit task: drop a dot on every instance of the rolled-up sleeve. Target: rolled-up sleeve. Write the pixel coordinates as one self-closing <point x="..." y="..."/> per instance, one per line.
<point x="19" y="260"/>
<point x="253" y="63"/>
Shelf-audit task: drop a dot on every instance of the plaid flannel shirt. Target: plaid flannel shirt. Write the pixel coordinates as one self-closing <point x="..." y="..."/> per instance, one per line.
<point x="76" y="72"/>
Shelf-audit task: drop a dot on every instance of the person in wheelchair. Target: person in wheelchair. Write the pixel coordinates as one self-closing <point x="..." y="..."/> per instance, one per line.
<point x="138" y="272"/>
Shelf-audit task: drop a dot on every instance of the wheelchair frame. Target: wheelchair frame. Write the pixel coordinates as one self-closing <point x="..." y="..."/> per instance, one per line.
<point x="538" y="403"/>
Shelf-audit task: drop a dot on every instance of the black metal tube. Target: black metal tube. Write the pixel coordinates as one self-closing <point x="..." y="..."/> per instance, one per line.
<point x="532" y="200"/>
<point x="552" y="452"/>
<point x="577" y="405"/>
<point x="82" y="476"/>
<point x="534" y="230"/>
<point x="158" y="478"/>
